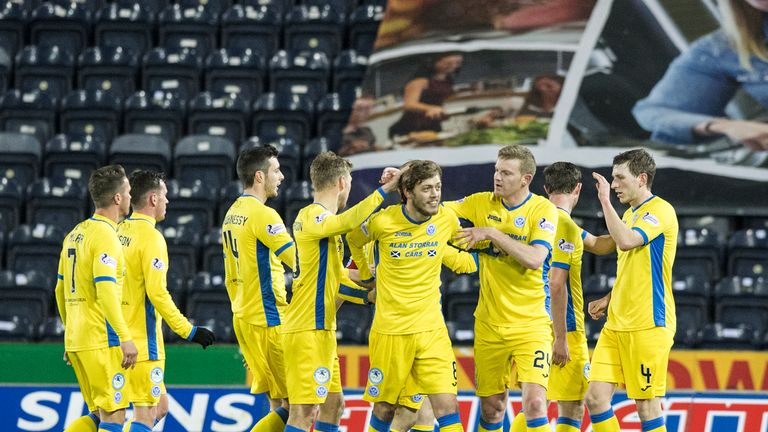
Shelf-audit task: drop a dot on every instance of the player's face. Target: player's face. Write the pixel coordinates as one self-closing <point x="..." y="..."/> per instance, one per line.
<point x="426" y="196"/>
<point x="344" y="194"/>
<point x="626" y="185"/>
<point x="125" y="198"/>
<point x="273" y="178"/>
<point x="508" y="180"/>
<point x="162" y="201"/>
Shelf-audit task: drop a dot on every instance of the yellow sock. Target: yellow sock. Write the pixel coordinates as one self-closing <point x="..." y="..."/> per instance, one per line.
<point x="540" y="424"/>
<point x="421" y="428"/>
<point x="86" y="423"/>
<point x="518" y="423"/>
<point x="605" y="422"/>
<point x="274" y="421"/>
<point x="393" y="430"/>
<point x="484" y="426"/>
<point x="450" y="423"/>
<point x="565" y="424"/>
<point x="655" y="425"/>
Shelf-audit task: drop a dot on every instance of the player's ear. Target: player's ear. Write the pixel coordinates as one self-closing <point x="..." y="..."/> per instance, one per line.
<point x="577" y="189"/>
<point x="258" y="177"/>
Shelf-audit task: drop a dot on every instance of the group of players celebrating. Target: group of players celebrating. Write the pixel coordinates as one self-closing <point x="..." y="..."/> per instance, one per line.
<point x="529" y="321"/>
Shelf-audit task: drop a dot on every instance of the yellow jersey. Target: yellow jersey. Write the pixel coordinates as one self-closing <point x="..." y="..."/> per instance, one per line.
<point x="642" y="294"/>
<point x="89" y="286"/>
<point x="408" y="258"/>
<point x="256" y="244"/>
<point x="321" y="270"/>
<point x="567" y="254"/>
<point x="510" y="294"/>
<point x="146" y="301"/>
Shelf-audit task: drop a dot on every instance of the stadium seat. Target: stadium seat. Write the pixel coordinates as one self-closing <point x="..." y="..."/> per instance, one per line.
<point x="188" y="28"/>
<point x="109" y="69"/>
<point x="229" y="193"/>
<point x="21" y="157"/>
<point x="279" y="116"/>
<point x="91" y="112"/>
<point x="256" y="28"/>
<point x="213" y="254"/>
<point x="592" y="329"/>
<point x="6" y="68"/>
<point x="699" y="253"/>
<point x="177" y="288"/>
<point x="352" y="323"/>
<point x="280" y="7"/>
<point x="742" y="301"/>
<point x="32" y="113"/>
<point x="755" y="222"/>
<point x="209" y="159"/>
<point x="459" y="311"/>
<point x="125" y="24"/>
<point x="152" y="6"/>
<point x="183" y="247"/>
<point x="332" y="117"/>
<point x="721" y="336"/>
<point x="73" y="156"/>
<point x="597" y="286"/>
<point x="219" y="115"/>
<point x="65" y="26"/>
<point x="91" y="5"/>
<point x="159" y="114"/>
<point x="692" y="309"/>
<point x="140" y="151"/>
<point x="289" y="156"/>
<point x="18" y="326"/>
<point x="175" y="72"/>
<point x="348" y="73"/>
<point x="297" y="196"/>
<point x="748" y="253"/>
<point x="11" y="198"/>
<point x="311" y="150"/>
<point x="48" y="69"/>
<point x="314" y="28"/>
<point x="363" y="26"/>
<point x="606" y="264"/>
<point x="52" y="330"/>
<point x="720" y="225"/>
<point x="59" y="202"/>
<point x="28" y="293"/>
<point x="463" y="284"/>
<point x="13" y="18"/>
<point x="208" y="304"/>
<point x="34" y="247"/>
<point x="300" y="73"/>
<point x="462" y="333"/>
<point x="235" y="71"/>
<point x="192" y="204"/>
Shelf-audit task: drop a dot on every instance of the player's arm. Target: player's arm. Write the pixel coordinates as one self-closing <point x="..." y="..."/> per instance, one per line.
<point x="273" y="234"/>
<point x="626" y="238"/>
<point x="531" y="256"/>
<point x="463" y="208"/>
<point x="562" y="257"/>
<point x="598" y="245"/>
<point x="597" y="308"/>
<point x="329" y="225"/>
<point x="350" y="291"/>
<point x="59" y="290"/>
<point x="358" y="239"/>
<point x="460" y="261"/>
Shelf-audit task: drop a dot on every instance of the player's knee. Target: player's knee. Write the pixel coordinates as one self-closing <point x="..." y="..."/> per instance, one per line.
<point x="162" y="407"/>
<point x="384" y="411"/>
<point x="535" y="405"/>
<point x="595" y="401"/>
<point x="492" y="410"/>
<point x="648" y="409"/>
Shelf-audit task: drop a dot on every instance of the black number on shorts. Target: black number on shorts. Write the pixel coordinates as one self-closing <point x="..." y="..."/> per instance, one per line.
<point x="646" y="372"/>
<point x="455" y="372"/>
<point x="541" y="359"/>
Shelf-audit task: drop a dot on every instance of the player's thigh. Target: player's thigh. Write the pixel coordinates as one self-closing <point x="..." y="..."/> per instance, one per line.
<point x="82" y="379"/>
<point x="312" y="355"/>
<point x="276" y="364"/>
<point x="493" y="360"/>
<point x="532" y="354"/>
<point x="569" y="383"/>
<point x="645" y="355"/>
<point x="145" y="382"/>
<point x="106" y="377"/>
<point x="434" y="366"/>
<point x="606" y="359"/>
<point x="391" y="360"/>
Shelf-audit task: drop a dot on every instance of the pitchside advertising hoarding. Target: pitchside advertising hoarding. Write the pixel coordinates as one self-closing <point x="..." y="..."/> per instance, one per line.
<point x="36" y="408"/>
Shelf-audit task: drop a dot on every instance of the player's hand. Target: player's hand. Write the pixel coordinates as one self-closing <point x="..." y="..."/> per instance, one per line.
<point x="204" y="337"/>
<point x="130" y="353"/>
<point x="470" y="236"/>
<point x="560" y="354"/>
<point x="598" y="307"/>
<point x="66" y="359"/>
<point x="603" y="188"/>
<point x="389" y="179"/>
<point x="372" y="296"/>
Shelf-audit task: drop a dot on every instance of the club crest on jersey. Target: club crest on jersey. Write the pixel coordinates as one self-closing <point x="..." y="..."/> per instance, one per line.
<point x="394" y="253"/>
<point x="586" y="371"/>
<point x="108" y="260"/>
<point x="156" y="375"/>
<point x="118" y="381"/>
<point x="417" y="398"/>
<point x="158" y="264"/>
<point x="546" y="225"/>
<point x="118" y="397"/>
<point x="431" y="230"/>
<point x="651" y="219"/>
<point x="375" y="376"/>
<point x="319" y="218"/>
<point x="431" y="252"/>
<point x="156" y="391"/>
<point x="373" y="391"/>
<point x="519" y="221"/>
<point x="322" y="375"/>
<point x="322" y="391"/>
<point x="275" y="229"/>
<point x="565" y="246"/>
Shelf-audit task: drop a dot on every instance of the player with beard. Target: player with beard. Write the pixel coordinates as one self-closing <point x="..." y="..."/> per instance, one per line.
<point x="512" y="319"/>
<point x="309" y="330"/>
<point x="410" y="351"/>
